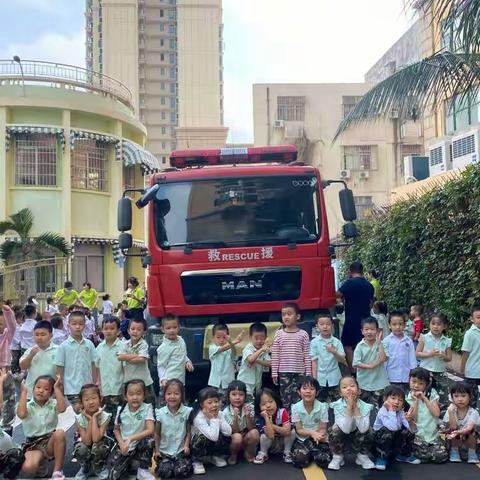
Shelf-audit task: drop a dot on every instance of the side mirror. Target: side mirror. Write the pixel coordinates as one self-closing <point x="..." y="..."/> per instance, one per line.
<point x="350" y="230"/>
<point x="347" y="204"/>
<point x="147" y="196"/>
<point x="124" y="214"/>
<point x="125" y="241"/>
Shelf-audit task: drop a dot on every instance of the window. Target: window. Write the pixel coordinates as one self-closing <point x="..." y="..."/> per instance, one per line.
<point x="173" y="102"/>
<point x="162" y="57"/>
<point x="364" y="206"/>
<point x="172" y="58"/>
<point x="89" y="165"/>
<point x="161" y="42"/>
<point x="36" y="160"/>
<point x="164" y="145"/>
<point x="360" y="157"/>
<point x="162" y="27"/>
<point x="87" y="266"/>
<point x="161" y="12"/>
<point x="172" y="88"/>
<point x="291" y="108"/>
<point x="348" y="104"/>
<point x="461" y="112"/>
<point x="171" y="28"/>
<point x="162" y="115"/>
<point x="129" y="177"/>
<point x="162" y="85"/>
<point x="173" y="73"/>
<point x="164" y="131"/>
<point x="162" y="100"/>
<point x="406" y="150"/>
<point x="164" y="159"/>
<point x="162" y="70"/>
<point x="172" y="43"/>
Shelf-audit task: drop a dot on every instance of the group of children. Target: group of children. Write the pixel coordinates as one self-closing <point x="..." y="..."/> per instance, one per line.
<point x="318" y="417"/>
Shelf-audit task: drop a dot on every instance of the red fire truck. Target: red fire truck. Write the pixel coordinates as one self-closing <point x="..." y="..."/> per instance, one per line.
<point x="232" y="235"/>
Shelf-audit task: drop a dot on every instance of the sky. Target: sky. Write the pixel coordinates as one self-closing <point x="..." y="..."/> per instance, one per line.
<point x="266" y="41"/>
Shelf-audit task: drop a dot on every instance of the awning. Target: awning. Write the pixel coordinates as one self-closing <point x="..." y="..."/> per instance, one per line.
<point x="99" y="137"/>
<point x="13" y="129"/>
<point x="134" y="154"/>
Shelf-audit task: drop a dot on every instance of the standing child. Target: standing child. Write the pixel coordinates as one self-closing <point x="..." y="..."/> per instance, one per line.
<point x="352" y="423"/>
<point x="393" y="437"/>
<point x="51" y="308"/>
<point x="107" y="306"/>
<point x="134" y="354"/>
<point x="461" y="421"/>
<point x="172" y="434"/>
<point x="134" y="432"/>
<point x="110" y="368"/>
<point x="39" y="420"/>
<point x="7" y="331"/>
<point x="425" y="411"/>
<point x="434" y="351"/>
<point x="290" y="355"/>
<point x="59" y="333"/>
<point x="240" y="416"/>
<point x="416" y="314"/>
<point x="222" y="355"/>
<point x="209" y="431"/>
<point x="399" y="350"/>
<point x="471" y="353"/>
<point x="380" y="312"/>
<point x="369" y="360"/>
<point x="255" y="358"/>
<point x="40" y="359"/>
<point x="310" y="418"/>
<point x="172" y="360"/>
<point x="26" y="330"/>
<point x="274" y="426"/>
<point x="15" y="348"/>
<point x="327" y="353"/>
<point x="75" y="360"/>
<point x="92" y="450"/>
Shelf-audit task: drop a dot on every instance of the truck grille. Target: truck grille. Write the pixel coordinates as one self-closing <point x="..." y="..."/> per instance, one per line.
<point x="241" y="285"/>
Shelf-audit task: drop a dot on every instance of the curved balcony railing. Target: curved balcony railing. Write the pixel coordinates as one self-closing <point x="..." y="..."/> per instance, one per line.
<point x="64" y="75"/>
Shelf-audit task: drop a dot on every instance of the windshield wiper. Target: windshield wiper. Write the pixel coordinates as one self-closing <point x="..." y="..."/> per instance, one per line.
<point x="188" y="247"/>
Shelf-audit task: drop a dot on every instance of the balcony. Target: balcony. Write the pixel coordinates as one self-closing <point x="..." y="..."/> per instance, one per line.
<point x="66" y="76"/>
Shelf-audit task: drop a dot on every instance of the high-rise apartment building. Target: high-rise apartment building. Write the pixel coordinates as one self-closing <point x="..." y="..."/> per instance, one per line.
<point x="169" y="53"/>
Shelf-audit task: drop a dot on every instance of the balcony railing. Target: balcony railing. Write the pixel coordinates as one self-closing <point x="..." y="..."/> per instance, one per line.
<point x="69" y="76"/>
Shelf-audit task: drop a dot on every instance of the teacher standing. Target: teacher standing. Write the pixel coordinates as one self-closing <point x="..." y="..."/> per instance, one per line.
<point x="135" y="297"/>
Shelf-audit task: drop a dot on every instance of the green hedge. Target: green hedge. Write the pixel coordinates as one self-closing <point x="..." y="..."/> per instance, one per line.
<point x="427" y="249"/>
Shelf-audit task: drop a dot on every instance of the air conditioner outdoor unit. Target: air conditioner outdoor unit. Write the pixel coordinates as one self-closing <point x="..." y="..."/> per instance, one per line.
<point x="364" y="174"/>
<point x="344" y="174"/>
<point x="440" y="154"/>
<point x="278" y="124"/>
<point x="465" y="148"/>
<point x="415" y="167"/>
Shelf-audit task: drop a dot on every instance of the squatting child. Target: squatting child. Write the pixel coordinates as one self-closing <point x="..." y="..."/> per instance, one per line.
<point x="471" y="353"/>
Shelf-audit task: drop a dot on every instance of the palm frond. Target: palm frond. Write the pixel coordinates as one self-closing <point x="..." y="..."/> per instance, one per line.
<point x="10" y="250"/>
<point x="6" y="226"/>
<point x="417" y="88"/>
<point x="22" y="222"/>
<point x="52" y="241"/>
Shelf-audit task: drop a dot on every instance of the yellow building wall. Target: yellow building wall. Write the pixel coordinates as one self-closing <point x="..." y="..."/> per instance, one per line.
<point x="90" y="214"/>
<point x="34" y="116"/>
<point x="85" y="121"/>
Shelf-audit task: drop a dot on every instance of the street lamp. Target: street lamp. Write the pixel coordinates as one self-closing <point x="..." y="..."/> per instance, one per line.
<point x="16" y="59"/>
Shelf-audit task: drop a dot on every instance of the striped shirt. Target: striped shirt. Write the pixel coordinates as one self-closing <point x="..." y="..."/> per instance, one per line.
<point x="291" y="353"/>
<point x="6" y="338"/>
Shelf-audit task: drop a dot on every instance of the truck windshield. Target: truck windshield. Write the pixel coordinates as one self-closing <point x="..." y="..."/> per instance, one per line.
<point x="237" y="211"/>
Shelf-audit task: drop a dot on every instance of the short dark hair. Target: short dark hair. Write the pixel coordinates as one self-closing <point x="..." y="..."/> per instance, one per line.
<point x="323" y="315"/>
<point x="106" y="297"/>
<point x="87" y="284"/>
<point x="43" y="324"/>
<point x="356" y="267"/>
<point x="142" y="321"/>
<point x="112" y="319"/>
<point x="49" y="300"/>
<point x="50" y="379"/>
<point x="257" y="327"/>
<point x="475" y="308"/>
<point x="393" y="391"/>
<point x="235" y="385"/>
<point x="169" y="317"/>
<point x="461" y="387"/>
<point x="68" y="284"/>
<point x="369" y="320"/>
<point x="30" y="310"/>
<point x="57" y="321"/>
<point x="78" y="314"/>
<point x="381" y="307"/>
<point x="308" y="381"/>
<point x="396" y="313"/>
<point x="418" y="308"/>
<point x="89" y="386"/>
<point x="374" y="273"/>
<point x="440" y="316"/>
<point x="133" y="281"/>
<point x="270" y="393"/>
<point x="220" y="327"/>
<point x="293" y="306"/>
<point x="422" y="374"/>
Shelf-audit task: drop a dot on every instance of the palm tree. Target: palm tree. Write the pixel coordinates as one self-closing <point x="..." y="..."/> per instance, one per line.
<point x="25" y="247"/>
<point x="426" y="84"/>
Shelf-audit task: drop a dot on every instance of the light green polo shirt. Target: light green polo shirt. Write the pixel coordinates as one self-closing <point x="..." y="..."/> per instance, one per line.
<point x="136" y="371"/>
<point x="40" y="420"/>
<point x="110" y="368"/>
<point x="102" y="419"/>
<point x="370" y="379"/>
<point x="222" y="370"/>
<point x="172" y="356"/>
<point x="89" y="297"/>
<point x="328" y="371"/>
<point x="471" y="344"/>
<point x="173" y="429"/>
<point x="133" y="422"/>
<point x="68" y="298"/>
<point x="228" y="415"/>
<point x="435" y="364"/>
<point x="340" y="407"/>
<point x="43" y="363"/>
<point x="77" y="359"/>
<point x="427" y="424"/>
<point x="250" y="375"/>
<point x="312" y="420"/>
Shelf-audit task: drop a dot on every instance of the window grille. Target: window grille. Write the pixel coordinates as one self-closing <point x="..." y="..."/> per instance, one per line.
<point x="291" y="109"/>
<point x="348" y="104"/>
<point x="364" y="206"/>
<point x="129" y="177"/>
<point x="89" y="165"/>
<point x="359" y="157"/>
<point x="36" y="159"/>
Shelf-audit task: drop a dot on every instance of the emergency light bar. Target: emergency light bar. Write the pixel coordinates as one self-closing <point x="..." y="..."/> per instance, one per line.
<point x="233" y="156"/>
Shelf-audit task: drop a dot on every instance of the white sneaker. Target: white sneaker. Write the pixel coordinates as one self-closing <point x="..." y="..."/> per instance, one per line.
<point x="81" y="474"/>
<point x="198" y="468"/>
<point x="144" y="474"/>
<point x="103" y="475"/>
<point x="217" y="461"/>
<point x="336" y="463"/>
<point x="364" y="462"/>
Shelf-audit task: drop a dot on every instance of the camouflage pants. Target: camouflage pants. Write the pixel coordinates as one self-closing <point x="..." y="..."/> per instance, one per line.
<point x="387" y="444"/>
<point x="15" y="364"/>
<point x="203" y="447"/>
<point x="287" y="383"/>
<point x="373" y="397"/>
<point x="328" y="394"/>
<point x="433" y="452"/>
<point x="11" y="462"/>
<point x="306" y="452"/>
<point x="93" y="458"/>
<point x="8" y="410"/>
<point x="441" y="384"/>
<point x="174" y="467"/>
<point x="111" y="404"/>
<point x="119" y="464"/>
<point x="361" y="442"/>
